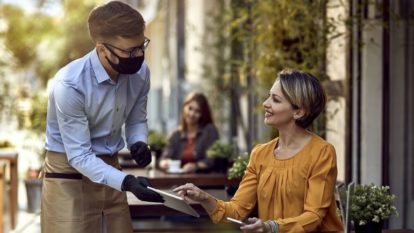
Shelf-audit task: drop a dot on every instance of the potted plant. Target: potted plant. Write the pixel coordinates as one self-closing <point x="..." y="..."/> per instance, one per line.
<point x="370" y="206"/>
<point x="239" y="166"/>
<point x="36" y="127"/>
<point x="220" y="152"/>
<point x="6" y="144"/>
<point x="33" y="186"/>
<point x="157" y="141"/>
<point x="237" y="171"/>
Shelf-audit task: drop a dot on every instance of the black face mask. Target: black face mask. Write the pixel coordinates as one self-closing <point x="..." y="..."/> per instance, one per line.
<point x="129" y="65"/>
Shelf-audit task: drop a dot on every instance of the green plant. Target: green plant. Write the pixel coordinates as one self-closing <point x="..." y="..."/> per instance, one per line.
<point x="156" y="140"/>
<point x="251" y="44"/>
<point x="220" y="150"/>
<point x="239" y="166"/>
<point x="6" y="144"/>
<point x="38" y="114"/>
<point x="372" y="203"/>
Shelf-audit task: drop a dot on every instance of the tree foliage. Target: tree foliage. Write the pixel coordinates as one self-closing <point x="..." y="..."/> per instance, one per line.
<point x="257" y="39"/>
<point x="47" y="42"/>
<point x="23" y="34"/>
<point x="74" y="31"/>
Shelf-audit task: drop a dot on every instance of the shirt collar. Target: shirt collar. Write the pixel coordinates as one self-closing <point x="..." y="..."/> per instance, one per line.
<point x="100" y="73"/>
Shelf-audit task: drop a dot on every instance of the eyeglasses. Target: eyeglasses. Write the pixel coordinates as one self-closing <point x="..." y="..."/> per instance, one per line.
<point x="134" y="52"/>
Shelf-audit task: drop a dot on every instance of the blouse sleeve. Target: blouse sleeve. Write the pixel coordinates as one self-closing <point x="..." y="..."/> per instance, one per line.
<point x="318" y="196"/>
<point x="245" y="198"/>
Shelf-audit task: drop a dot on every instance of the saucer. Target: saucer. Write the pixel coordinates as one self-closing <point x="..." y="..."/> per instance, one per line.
<point x="178" y="171"/>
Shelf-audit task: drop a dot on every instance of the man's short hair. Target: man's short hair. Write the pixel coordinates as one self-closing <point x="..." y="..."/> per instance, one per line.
<point x="113" y="19"/>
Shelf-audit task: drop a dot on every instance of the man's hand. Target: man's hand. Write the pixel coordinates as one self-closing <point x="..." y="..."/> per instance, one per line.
<point x="141" y="153"/>
<point x="138" y="186"/>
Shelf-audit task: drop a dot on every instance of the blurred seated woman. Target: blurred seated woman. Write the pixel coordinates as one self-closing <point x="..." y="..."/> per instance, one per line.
<point x="190" y="141"/>
<point x="292" y="177"/>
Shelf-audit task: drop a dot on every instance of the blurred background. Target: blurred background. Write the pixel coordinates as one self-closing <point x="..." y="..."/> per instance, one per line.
<point x="362" y="51"/>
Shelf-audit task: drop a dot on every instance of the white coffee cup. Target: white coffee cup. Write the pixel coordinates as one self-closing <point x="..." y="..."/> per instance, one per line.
<point x="174" y="165"/>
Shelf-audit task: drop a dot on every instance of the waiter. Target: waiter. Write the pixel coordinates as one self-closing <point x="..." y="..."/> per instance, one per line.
<point x="90" y="100"/>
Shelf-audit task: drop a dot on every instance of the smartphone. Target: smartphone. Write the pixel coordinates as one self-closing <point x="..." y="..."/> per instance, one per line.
<point x="236" y="221"/>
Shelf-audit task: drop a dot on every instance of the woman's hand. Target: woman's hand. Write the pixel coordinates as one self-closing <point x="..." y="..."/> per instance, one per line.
<point x="190" y="192"/>
<point x="255" y="225"/>
<point x="189" y="168"/>
<point x="163" y="164"/>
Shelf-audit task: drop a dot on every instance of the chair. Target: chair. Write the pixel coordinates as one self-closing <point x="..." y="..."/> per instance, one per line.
<point x="340" y="196"/>
<point x="344" y="201"/>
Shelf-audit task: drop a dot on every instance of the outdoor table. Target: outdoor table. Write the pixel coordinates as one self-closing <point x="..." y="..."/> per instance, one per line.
<point x="397" y="231"/>
<point x="155" y="217"/>
<point x="161" y="179"/>
<point x="140" y="208"/>
<point x="212" y="182"/>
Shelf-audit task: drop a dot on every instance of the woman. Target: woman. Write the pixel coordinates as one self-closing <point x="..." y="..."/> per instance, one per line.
<point x="193" y="137"/>
<point x="292" y="177"/>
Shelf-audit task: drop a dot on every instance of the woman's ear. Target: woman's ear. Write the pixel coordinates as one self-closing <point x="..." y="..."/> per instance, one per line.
<point x="299" y="113"/>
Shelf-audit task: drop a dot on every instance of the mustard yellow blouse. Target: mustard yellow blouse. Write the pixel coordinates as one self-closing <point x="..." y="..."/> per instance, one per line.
<point x="298" y="193"/>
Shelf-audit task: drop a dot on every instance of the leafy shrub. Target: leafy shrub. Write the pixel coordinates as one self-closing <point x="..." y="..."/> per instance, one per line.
<point x="372" y="203"/>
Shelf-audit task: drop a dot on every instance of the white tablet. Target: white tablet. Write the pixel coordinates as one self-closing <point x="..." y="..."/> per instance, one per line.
<point x="176" y="202"/>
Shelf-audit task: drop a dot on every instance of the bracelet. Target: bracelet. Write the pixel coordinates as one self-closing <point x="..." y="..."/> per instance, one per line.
<point x="275" y="226"/>
<point x="266" y="226"/>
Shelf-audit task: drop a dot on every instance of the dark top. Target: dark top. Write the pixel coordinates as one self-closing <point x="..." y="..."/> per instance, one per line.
<point x="205" y="137"/>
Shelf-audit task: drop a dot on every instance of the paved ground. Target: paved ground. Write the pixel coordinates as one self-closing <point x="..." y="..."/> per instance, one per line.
<point x="26" y="222"/>
<point x="28" y="145"/>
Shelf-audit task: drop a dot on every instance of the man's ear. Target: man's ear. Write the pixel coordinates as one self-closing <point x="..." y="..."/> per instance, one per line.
<point x="100" y="48"/>
<point x="299" y="113"/>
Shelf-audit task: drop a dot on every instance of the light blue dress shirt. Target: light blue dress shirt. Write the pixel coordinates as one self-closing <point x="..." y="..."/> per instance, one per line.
<point x="86" y="112"/>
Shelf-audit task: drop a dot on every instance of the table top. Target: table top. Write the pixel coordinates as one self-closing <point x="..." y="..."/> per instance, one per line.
<point x="211" y="182"/>
<point x="8" y="153"/>
<point x="396" y="231"/>
<point x="2" y="165"/>
<point x="161" y="179"/>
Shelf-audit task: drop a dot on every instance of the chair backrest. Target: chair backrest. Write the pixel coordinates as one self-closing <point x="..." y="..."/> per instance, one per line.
<point x="344" y="196"/>
<point x="340" y="196"/>
<point x="349" y="195"/>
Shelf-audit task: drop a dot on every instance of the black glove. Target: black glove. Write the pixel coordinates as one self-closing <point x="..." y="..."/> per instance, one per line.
<point x="138" y="186"/>
<point x="141" y="153"/>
